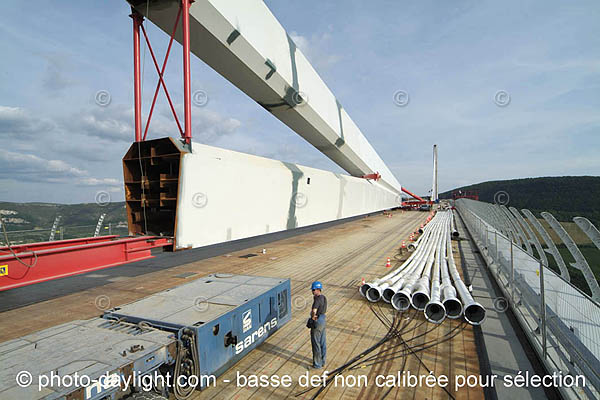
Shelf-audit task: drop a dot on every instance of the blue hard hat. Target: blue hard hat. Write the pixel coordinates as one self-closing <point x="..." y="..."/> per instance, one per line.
<point x="316" y="285"/>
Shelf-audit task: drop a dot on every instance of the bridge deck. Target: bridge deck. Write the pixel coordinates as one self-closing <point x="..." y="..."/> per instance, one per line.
<point x="339" y="256"/>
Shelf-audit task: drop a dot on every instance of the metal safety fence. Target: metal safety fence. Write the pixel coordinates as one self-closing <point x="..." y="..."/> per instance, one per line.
<point x="63" y="232"/>
<point x="562" y="322"/>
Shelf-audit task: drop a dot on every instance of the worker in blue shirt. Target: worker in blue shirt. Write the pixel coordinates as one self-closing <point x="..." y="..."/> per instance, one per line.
<point x="317" y="331"/>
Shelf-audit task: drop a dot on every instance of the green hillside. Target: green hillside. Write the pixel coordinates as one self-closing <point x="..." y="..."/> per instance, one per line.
<point x="565" y="196"/>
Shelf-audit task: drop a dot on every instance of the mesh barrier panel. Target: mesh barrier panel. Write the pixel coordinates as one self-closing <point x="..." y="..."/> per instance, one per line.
<point x="572" y="318"/>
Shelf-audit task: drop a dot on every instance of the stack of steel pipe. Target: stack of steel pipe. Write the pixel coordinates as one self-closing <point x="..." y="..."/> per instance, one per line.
<point x="428" y="280"/>
<point x="374" y="290"/>
<point x="415" y="291"/>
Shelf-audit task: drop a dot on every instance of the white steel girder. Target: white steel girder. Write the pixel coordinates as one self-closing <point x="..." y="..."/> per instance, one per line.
<point x="244" y="42"/>
<point x="211" y="195"/>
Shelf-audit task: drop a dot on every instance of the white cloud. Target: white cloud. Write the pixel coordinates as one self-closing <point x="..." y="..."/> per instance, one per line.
<point x="19" y="122"/>
<point x="301" y="42"/>
<point x="91" y="135"/>
<point x="100" y="182"/>
<point x="209" y="126"/>
<point x="29" y="167"/>
<point x="29" y="164"/>
<point x="317" y="49"/>
<point x="107" y="123"/>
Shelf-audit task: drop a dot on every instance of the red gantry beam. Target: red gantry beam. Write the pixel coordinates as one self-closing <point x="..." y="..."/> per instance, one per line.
<point x="374" y="176"/>
<point x="38" y="262"/>
<point x="412" y="194"/>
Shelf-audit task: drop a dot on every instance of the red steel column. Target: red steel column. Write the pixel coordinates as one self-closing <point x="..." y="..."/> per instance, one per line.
<point x="187" y="95"/>
<point x="137" y="81"/>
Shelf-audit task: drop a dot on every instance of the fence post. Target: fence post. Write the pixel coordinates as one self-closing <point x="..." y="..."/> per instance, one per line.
<point x="543" y="310"/>
<point x="497" y="252"/>
<point x="512" y="273"/>
<point x="62" y="233"/>
<point x="487" y="237"/>
<point x="110" y="228"/>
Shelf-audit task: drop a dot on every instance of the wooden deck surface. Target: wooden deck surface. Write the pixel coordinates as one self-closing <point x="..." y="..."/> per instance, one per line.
<point x="339" y="256"/>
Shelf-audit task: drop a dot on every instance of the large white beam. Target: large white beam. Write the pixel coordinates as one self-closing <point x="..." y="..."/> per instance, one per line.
<point x="226" y="195"/>
<point x="244" y="42"/>
<point x="211" y="195"/>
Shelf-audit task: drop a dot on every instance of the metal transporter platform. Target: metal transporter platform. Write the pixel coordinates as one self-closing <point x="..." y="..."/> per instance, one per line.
<point x="95" y="348"/>
<point x="210" y="323"/>
<point x="229" y="315"/>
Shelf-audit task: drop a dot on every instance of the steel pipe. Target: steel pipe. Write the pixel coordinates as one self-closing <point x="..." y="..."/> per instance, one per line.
<point x="451" y="303"/>
<point x="474" y="312"/>
<point x="434" y="309"/>
<point x="455" y="233"/>
<point x="421" y="295"/>
<point x="403" y="298"/>
<point x="397" y="281"/>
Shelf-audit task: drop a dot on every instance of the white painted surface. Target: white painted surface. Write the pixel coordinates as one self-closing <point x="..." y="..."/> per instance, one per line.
<point x="226" y="195"/>
<point x="244" y="60"/>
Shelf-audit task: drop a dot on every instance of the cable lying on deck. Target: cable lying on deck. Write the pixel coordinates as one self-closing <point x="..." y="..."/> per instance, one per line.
<point x="429" y="280"/>
<point x="398" y="344"/>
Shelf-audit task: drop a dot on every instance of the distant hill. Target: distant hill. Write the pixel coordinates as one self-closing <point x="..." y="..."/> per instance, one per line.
<point x="77" y="220"/>
<point x="564" y="196"/>
<point x="20" y="216"/>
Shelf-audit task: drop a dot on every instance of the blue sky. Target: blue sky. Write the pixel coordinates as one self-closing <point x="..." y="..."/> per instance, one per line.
<point x="58" y="145"/>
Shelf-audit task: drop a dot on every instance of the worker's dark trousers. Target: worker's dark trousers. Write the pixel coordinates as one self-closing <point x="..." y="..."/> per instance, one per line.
<point x="318" y="341"/>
